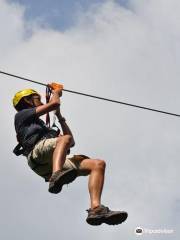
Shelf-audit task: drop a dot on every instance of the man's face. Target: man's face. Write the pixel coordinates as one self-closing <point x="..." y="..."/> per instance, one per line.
<point x="36" y="100"/>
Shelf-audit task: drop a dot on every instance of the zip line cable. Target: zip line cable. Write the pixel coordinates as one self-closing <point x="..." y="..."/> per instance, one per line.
<point x="92" y="96"/>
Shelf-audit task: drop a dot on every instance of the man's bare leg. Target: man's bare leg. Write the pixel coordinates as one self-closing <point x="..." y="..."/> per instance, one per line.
<point x="60" y="152"/>
<point x="58" y="177"/>
<point x="96" y="179"/>
<point x="101" y="214"/>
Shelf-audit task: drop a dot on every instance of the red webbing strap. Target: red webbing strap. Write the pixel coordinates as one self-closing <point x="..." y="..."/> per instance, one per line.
<point x="48" y="95"/>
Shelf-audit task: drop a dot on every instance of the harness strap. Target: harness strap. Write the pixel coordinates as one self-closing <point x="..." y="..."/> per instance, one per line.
<point x="18" y="150"/>
<point x="48" y="95"/>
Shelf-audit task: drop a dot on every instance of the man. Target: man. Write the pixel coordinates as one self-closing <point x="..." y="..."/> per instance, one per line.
<point x="47" y="152"/>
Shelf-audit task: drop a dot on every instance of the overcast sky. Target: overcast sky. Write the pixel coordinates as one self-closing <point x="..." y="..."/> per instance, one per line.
<point x="125" y="50"/>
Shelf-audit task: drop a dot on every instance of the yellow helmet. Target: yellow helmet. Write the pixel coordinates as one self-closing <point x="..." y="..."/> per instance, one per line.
<point x="24" y="93"/>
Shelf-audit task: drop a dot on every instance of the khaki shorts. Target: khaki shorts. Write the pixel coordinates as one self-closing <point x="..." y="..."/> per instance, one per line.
<point x="40" y="159"/>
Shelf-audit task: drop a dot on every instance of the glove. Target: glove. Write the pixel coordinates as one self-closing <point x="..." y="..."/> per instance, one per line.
<point x="55" y="86"/>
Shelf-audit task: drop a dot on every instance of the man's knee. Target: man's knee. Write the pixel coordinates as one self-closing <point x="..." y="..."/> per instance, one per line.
<point x="92" y="164"/>
<point x="100" y="164"/>
<point x="66" y="139"/>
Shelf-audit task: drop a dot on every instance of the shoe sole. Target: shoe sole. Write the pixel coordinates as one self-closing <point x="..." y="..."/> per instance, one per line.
<point x="67" y="178"/>
<point x="114" y="219"/>
<point x="95" y="221"/>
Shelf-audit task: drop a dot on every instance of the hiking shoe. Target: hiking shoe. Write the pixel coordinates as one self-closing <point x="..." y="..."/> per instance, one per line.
<point x="103" y="214"/>
<point x="59" y="178"/>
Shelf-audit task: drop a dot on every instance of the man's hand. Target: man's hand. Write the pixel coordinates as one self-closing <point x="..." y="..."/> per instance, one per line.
<point x="56" y="87"/>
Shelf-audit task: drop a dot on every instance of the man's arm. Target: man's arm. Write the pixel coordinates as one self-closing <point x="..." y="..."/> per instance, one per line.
<point x="53" y="104"/>
<point x="64" y="126"/>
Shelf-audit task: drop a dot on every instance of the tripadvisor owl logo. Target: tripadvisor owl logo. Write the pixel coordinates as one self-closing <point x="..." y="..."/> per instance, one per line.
<point x="138" y="231"/>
